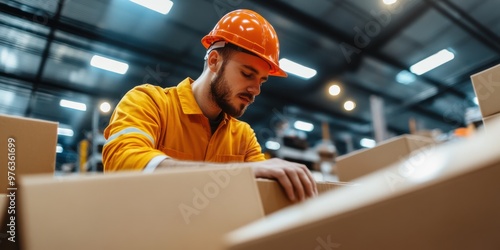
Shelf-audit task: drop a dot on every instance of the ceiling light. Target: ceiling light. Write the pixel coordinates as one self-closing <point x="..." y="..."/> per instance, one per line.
<point x="109" y="64"/>
<point x="7" y="97"/>
<point x="105" y="107"/>
<point x="8" y="59"/>
<point x="73" y="105"/>
<point x="59" y="148"/>
<point x="272" y="145"/>
<point x="432" y="62"/>
<point x="367" y="143"/>
<point x="334" y="90"/>
<point x="296" y="69"/>
<point x="304" y="126"/>
<point x="65" y="132"/>
<point x="405" y="77"/>
<point x="389" y="2"/>
<point x="349" y="105"/>
<point x="160" y="6"/>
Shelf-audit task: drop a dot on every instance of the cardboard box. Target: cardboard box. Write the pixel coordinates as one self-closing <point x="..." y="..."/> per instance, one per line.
<point x="489" y="120"/>
<point x="28" y="147"/>
<point x="169" y="209"/>
<point x="444" y="198"/>
<point x="274" y="198"/>
<point x="487" y="88"/>
<point x="365" y="161"/>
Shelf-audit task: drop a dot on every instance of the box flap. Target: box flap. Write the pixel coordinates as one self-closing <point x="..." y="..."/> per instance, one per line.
<point x="487" y="88"/>
<point x="489" y="121"/>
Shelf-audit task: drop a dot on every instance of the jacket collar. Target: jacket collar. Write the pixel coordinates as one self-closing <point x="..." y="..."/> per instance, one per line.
<point x="187" y="100"/>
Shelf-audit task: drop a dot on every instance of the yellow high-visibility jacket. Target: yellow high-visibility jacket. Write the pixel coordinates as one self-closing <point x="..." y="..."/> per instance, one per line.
<point x="151" y="122"/>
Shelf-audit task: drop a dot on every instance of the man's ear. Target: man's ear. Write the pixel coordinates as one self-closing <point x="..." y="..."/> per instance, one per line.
<point x="214" y="61"/>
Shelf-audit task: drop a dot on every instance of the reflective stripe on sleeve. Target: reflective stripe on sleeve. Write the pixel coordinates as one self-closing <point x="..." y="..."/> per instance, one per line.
<point x="153" y="163"/>
<point x="130" y="130"/>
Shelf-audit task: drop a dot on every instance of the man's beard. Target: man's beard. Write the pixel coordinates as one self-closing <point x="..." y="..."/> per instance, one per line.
<point x="221" y="94"/>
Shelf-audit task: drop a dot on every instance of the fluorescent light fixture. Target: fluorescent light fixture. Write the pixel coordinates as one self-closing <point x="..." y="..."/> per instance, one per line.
<point x="7" y="97"/>
<point x="405" y="77"/>
<point x="304" y="126"/>
<point x="389" y="2"/>
<point x="367" y="143"/>
<point x="73" y="105"/>
<point x="160" y="6"/>
<point x="65" y="132"/>
<point x="296" y="69"/>
<point x="59" y="148"/>
<point x="109" y="64"/>
<point x="273" y="145"/>
<point x="334" y="90"/>
<point x="349" y="105"/>
<point x="432" y="62"/>
<point x="475" y="100"/>
<point x="105" y="107"/>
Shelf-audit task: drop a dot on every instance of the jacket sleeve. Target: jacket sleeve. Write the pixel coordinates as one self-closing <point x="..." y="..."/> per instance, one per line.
<point x="134" y="128"/>
<point x="254" y="151"/>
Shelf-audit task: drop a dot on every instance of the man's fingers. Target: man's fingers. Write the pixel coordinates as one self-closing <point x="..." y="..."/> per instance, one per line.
<point x="296" y="182"/>
<point x="308" y="183"/>
<point x="296" y="179"/>
<point x="287" y="186"/>
<point x="314" y="187"/>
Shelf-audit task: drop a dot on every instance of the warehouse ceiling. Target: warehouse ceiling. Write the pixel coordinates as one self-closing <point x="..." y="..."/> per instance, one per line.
<point x="360" y="45"/>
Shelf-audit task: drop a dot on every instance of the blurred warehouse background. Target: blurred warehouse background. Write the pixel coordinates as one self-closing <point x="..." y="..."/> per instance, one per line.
<point x="360" y="55"/>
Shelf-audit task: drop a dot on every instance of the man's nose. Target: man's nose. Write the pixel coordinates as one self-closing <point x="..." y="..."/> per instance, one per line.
<point x="254" y="89"/>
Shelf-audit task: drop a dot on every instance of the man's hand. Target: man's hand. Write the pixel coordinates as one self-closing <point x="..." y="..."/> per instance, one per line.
<point x="295" y="178"/>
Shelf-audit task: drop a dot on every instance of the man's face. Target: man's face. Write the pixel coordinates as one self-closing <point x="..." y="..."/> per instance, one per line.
<point x="238" y="82"/>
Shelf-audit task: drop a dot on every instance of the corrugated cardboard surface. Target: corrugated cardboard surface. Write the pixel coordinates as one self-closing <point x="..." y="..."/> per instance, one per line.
<point x="449" y="200"/>
<point x="365" y="161"/>
<point x="34" y="148"/>
<point x="274" y="198"/>
<point x="488" y="121"/>
<point x="169" y="209"/>
<point x="487" y="88"/>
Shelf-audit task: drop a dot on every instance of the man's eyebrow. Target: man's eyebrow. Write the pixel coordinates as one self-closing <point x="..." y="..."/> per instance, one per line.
<point x="264" y="78"/>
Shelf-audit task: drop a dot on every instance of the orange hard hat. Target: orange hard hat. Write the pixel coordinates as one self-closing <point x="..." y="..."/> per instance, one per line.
<point x="248" y="30"/>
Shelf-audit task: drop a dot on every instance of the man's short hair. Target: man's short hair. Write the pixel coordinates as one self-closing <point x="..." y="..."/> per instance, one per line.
<point x="227" y="51"/>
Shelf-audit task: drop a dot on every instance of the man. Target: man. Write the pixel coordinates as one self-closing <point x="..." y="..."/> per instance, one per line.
<point x="194" y="123"/>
